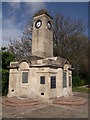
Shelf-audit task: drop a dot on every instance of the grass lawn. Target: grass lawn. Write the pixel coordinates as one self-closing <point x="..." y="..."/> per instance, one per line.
<point x="81" y="89"/>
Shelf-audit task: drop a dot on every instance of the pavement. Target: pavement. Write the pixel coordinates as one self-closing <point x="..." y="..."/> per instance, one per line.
<point x="0" y="108"/>
<point x="13" y="108"/>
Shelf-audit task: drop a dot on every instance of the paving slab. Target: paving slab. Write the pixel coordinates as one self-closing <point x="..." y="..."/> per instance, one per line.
<point x="44" y="110"/>
<point x="53" y="111"/>
<point x="0" y="108"/>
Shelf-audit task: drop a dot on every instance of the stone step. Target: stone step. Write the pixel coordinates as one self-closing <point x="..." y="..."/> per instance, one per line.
<point x="22" y="103"/>
<point x="77" y="101"/>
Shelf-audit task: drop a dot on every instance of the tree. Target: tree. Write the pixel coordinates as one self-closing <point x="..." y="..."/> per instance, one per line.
<point x="7" y="57"/>
<point x="64" y="30"/>
<point x="69" y="42"/>
<point x="21" y="47"/>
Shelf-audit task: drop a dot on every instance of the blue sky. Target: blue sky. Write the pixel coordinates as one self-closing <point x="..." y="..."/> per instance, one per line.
<point x="16" y="14"/>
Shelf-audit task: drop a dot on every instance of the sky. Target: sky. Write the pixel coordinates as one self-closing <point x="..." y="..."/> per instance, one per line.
<point x="16" y="14"/>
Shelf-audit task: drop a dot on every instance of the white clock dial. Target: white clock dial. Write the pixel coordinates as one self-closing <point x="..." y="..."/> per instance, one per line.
<point x="38" y="24"/>
<point x="49" y="24"/>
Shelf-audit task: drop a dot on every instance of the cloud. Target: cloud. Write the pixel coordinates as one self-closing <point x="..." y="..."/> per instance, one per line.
<point x="10" y="0"/>
<point x="0" y="24"/>
<point x="15" y="7"/>
<point x="45" y="0"/>
<point x="10" y="28"/>
<point x="8" y="22"/>
<point x="12" y="25"/>
<point x="25" y="0"/>
<point x="10" y="34"/>
<point x="10" y="31"/>
<point x="38" y="1"/>
<point x="32" y="7"/>
<point x="0" y="37"/>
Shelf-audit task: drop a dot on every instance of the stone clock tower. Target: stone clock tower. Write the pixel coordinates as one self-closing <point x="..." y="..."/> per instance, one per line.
<point x="42" y="38"/>
<point x="44" y="76"/>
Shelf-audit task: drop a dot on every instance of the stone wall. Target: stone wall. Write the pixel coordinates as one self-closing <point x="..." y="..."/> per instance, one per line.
<point x="42" y="38"/>
<point x="33" y="88"/>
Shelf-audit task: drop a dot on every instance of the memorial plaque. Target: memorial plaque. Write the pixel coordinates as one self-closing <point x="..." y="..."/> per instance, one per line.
<point x="64" y="79"/>
<point x="69" y="80"/>
<point x="14" y="64"/>
<point x="53" y="82"/>
<point x="42" y="80"/>
<point x="25" y="77"/>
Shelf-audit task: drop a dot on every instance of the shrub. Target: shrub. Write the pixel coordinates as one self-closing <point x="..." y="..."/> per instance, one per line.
<point x="76" y="81"/>
<point x="83" y="82"/>
<point x="5" y="79"/>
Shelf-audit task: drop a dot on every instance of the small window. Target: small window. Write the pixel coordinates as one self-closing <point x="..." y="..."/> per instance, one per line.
<point x="64" y="79"/>
<point x="53" y="82"/>
<point x="42" y="80"/>
<point x="12" y="90"/>
<point x="69" y="81"/>
<point x="42" y="93"/>
<point x="25" y="77"/>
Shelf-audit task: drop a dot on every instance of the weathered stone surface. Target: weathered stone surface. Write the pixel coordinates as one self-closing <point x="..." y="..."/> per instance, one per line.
<point x="45" y="110"/>
<point x="42" y="38"/>
<point x="33" y="88"/>
<point x="42" y="63"/>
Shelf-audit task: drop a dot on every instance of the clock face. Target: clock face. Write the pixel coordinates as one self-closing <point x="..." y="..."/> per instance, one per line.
<point x="49" y="24"/>
<point x="38" y="24"/>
